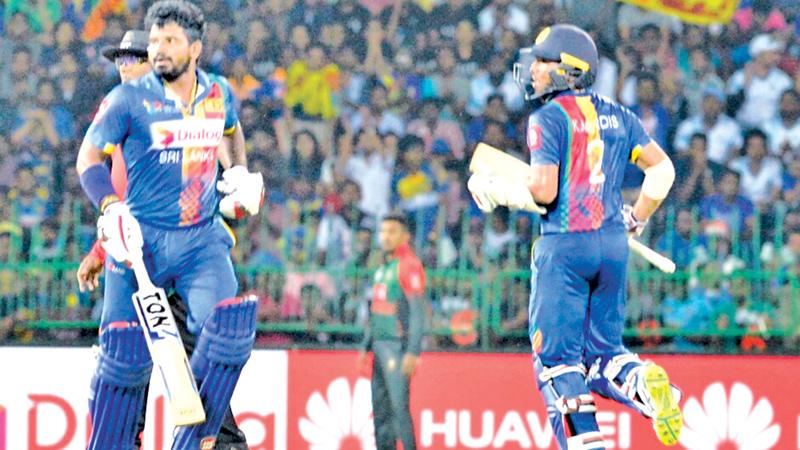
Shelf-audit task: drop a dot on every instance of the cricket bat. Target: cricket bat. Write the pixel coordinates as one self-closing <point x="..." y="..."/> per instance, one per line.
<point x="166" y="349"/>
<point x="493" y="161"/>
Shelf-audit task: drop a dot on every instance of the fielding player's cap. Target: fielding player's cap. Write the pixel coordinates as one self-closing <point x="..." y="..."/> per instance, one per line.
<point x="568" y="45"/>
<point x="133" y="43"/>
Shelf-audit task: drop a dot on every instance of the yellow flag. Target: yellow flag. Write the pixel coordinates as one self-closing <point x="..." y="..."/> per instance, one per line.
<point x="701" y="12"/>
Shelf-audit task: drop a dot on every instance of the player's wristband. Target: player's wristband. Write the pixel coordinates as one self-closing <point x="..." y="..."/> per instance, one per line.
<point x="98" y="251"/>
<point x="96" y="183"/>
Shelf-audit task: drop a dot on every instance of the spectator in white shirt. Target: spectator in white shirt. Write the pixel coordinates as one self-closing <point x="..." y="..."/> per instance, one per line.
<point x="496" y="78"/>
<point x="371" y="166"/>
<point x="503" y="14"/>
<point x="761" y="175"/>
<point x="723" y="133"/>
<point x="758" y="87"/>
<point x="783" y="131"/>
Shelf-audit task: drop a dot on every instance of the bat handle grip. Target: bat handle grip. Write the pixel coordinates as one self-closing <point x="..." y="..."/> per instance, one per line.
<point x="140" y="271"/>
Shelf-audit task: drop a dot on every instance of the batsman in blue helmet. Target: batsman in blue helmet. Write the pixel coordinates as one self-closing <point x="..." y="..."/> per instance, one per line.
<point x="579" y="144"/>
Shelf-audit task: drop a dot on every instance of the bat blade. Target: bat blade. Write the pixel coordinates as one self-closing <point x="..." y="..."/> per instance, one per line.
<point x="168" y="354"/>
<point x="663" y="263"/>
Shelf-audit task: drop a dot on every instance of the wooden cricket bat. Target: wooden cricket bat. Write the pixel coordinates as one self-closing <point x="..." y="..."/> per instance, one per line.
<point x="166" y="349"/>
<point x="493" y="161"/>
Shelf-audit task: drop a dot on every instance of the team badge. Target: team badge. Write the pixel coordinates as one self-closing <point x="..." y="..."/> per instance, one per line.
<point x="534" y="137"/>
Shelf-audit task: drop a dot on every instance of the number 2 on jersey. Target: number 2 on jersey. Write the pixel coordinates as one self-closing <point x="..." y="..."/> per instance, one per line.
<point x="594" y="151"/>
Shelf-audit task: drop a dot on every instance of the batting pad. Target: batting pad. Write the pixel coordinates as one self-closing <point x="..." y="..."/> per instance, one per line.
<point x="118" y="386"/>
<point x="223" y="348"/>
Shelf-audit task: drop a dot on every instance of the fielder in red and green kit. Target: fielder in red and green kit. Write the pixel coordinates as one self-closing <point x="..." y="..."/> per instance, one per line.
<point x="394" y="334"/>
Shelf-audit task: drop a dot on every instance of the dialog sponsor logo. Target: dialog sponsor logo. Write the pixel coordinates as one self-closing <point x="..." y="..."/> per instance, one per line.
<point x="186" y="133"/>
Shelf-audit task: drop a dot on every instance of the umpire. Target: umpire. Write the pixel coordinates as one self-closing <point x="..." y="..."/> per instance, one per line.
<point x="394" y="334"/>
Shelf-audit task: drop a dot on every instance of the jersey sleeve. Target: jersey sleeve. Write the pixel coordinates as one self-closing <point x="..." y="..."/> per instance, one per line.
<point x="231" y="116"/>
<point x="544" y="136"/>
<point x="411" y="277"/>
<point x="111" y="122"/>
<point x="637" y="136"/>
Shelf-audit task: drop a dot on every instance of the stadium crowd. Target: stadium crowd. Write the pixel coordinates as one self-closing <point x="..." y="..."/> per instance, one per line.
<point x="352" y="108"/>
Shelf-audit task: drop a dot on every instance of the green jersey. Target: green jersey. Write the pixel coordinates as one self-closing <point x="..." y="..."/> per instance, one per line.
<point x="396" y="310"/>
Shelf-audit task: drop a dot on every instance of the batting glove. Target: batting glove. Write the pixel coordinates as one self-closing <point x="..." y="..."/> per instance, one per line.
<point x="243" y="192"/>
<point x="632" y="224"/>
<point x="490" y="191"/>
<point x="119" y="233"/>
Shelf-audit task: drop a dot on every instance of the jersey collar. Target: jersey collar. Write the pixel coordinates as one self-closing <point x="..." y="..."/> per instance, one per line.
<point x="402" y="250"/>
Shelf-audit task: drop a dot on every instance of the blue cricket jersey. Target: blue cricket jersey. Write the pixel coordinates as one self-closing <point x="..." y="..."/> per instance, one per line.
<point x="170" y="152"/>
<point x="591" y="138"/>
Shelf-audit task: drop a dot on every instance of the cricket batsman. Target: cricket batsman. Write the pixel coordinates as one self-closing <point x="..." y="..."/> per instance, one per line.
<point x="130" y="59"/>
<point x="579" y="144"/>
<point x="394" y="334"/>
<point x="168" y="126"/>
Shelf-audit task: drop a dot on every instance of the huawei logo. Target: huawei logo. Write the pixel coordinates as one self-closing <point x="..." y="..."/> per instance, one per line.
<point x="729" y="421"/>
<point x="341" y="420"/>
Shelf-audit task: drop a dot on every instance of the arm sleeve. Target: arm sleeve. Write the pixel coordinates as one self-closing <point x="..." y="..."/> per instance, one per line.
<point x="111" y="122"/>
<point x="412" y="281"/>
<point x="637" y="136"/>
<point x="366" y="343"/>
<point x="231" y="116"/>
<point x="543" y="138"/>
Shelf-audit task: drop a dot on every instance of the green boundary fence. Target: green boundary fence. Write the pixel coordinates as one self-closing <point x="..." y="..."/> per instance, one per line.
<point x="479" y="309"/>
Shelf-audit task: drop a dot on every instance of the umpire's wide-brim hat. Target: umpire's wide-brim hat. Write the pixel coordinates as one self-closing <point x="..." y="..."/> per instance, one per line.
<point x="133" y="43"/>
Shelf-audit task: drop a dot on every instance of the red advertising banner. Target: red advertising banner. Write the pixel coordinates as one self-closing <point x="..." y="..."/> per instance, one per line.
<point x="469" y="401"/>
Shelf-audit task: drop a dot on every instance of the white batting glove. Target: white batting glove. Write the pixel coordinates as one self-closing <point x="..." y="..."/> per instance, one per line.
<point x="632" y="224"/>
<point x="243" y="192"/>
<point x="490" y="191"/>
<point x="119" y="233"/>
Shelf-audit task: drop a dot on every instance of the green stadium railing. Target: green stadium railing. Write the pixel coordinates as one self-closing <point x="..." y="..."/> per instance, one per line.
<point x="481" y="307"/>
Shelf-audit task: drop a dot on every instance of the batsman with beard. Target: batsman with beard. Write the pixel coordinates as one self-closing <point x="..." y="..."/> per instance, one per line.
<point x="168" y="125"/>
<point x="130" y="58"/>
<point x="394" y="334"/>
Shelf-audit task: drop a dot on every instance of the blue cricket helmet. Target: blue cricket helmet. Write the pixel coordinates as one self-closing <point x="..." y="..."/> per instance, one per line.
<point x="568" y="45"/>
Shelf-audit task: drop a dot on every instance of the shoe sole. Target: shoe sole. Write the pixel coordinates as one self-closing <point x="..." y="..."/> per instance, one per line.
<point x="668" y="420"/>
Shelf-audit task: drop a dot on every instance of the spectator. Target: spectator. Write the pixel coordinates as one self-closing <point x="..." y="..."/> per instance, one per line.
<point x="414" y="186"/>
<point x="333" y="235"/>
<point x="728" y="207"/>
<point x="724" y="137"/>
<point x="468" y="60"/>
<point x="244" y="85"/>
<point x="371" y="167"/>
<point x="756" y="89"/>
<point x="51" y="119"/>
<point x="446" y="83"/>
<point x="676" y="242"/>
<point x="19" y="79"/>
<point x="651" y="112"/>
<point x="761" y="175"/>
<point x="699" y="175"/>
<point x="495" y="78"/>
<point x="306" y="160"/>
<point x="377" y="114"/>
<point x="699" y="78"/>
<point x="503" y="14"/>
<point x="432" y="125"/>
<point x="311" y="84"/>
<point x="499" y="239"/>
<point x="783" y="131"/>
<point x="495" y="111"/>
